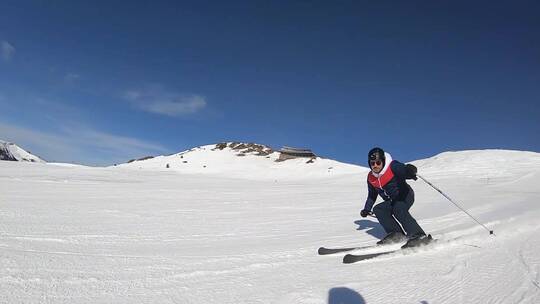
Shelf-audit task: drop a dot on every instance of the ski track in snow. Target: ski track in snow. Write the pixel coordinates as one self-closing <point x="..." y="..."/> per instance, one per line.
<point x="86" y="235"/>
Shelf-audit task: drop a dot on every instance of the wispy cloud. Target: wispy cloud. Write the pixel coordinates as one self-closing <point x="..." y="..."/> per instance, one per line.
<point x="155" y="99"/>
<point x="7" y="50"/>
<point x="79" y="144"/>
<point x="69" y="134"/>
<point x="115" y="144"/>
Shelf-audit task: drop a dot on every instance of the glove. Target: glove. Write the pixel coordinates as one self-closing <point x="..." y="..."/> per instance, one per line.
<point x="364" y="213"/>
<point x="411" y="171"/>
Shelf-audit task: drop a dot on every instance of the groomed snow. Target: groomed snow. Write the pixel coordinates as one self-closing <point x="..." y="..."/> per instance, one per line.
<point x="247" y="231"/>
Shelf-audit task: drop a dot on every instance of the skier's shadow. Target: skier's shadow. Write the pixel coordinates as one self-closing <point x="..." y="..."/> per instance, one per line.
<point x="343" y="295"/>
<point x="372" y="228"/>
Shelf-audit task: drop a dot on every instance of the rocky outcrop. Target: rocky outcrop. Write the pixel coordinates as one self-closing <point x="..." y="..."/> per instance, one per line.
<point x="139" y="159"/>
<point x="245" y="148"/>
<point x="5" y="154"/>
<point x="12" y="152"/>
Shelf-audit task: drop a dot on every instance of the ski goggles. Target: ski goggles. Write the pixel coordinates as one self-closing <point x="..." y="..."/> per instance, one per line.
<point x="375" y="162"/>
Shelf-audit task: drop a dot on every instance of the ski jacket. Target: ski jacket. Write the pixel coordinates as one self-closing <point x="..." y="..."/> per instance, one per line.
<point x="389" y="184"/>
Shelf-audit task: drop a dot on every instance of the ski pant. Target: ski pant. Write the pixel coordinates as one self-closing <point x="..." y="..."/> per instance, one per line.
<point x="391" y="214"/>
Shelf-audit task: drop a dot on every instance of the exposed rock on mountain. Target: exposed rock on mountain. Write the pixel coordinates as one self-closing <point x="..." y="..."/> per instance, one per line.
<point x="12" y="152"/>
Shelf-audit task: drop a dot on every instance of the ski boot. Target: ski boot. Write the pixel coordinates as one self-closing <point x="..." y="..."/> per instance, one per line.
<point x="418" y="240"/>
<point x="392" y="238"/>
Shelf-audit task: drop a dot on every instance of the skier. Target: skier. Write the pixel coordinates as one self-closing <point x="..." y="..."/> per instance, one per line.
<point x="387" y="179"/>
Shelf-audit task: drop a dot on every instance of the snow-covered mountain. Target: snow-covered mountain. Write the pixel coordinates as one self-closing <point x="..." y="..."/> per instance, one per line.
<point x="244" y="160"/>
<point x="12" y="152"/>
<point x="142" y="233"/>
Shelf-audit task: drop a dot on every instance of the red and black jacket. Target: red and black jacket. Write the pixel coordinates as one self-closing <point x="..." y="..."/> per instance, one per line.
<point x="390" y="185"/>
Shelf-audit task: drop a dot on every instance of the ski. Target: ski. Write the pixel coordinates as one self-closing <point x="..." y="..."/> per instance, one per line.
<point x="325" y="251"/>
<point x="353" y="258"/>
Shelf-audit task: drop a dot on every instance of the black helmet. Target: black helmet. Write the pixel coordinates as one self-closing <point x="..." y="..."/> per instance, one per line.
<point x="376" y="154"/>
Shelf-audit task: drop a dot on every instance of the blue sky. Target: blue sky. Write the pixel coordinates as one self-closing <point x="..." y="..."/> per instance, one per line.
<point x="98" y="83"/>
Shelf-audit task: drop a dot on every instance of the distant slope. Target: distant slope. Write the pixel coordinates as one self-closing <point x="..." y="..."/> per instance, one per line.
<point x="12" y="152"/>
<point x="252" y="161"/>
<point x="494" y="162"/>
<point x="260" y="162"/>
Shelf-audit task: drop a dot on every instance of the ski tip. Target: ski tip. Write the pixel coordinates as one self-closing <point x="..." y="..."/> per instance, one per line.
<point x="320" y="251"/>
<point x="348" y="259"/>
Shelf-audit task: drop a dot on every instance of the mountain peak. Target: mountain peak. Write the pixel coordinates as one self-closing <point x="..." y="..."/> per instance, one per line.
<point x="246" y="160"/>
<point x="11" y="152"/>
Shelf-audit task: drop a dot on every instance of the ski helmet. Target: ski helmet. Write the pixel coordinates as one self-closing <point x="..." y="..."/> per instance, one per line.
<point x="376" y="154"/>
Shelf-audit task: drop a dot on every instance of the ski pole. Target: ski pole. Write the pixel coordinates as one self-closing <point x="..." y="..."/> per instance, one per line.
<point x="427" y="182"/>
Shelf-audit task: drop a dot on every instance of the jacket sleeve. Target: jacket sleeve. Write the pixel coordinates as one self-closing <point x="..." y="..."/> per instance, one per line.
<point x="399" y="169"/>
<point x="404" y="171"/>
<point x="372" y="196"/>
<point x="400" y="173"/>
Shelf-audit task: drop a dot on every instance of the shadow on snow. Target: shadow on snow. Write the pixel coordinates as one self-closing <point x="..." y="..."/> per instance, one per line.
<point x="372" y="228"/>
<point x="343" y="295"/>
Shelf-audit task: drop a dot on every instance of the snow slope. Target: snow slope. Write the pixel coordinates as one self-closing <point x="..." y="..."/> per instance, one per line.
<point x="10" y="151"/>
<point x="130" y="235"/>
<point x="235" y="164"/>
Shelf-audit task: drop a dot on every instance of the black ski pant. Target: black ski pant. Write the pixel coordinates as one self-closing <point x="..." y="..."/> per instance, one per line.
<point x="391" y="214"/>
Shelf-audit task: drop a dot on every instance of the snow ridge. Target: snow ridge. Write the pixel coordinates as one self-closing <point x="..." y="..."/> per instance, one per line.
<point x="241" y="160"/>
<point x="12" y="152"/>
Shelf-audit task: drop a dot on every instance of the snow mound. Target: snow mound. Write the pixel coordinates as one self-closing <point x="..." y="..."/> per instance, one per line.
<point x="239" y="160"/>
<point x="492" y="162"/>
<point x="12" y="152"/>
